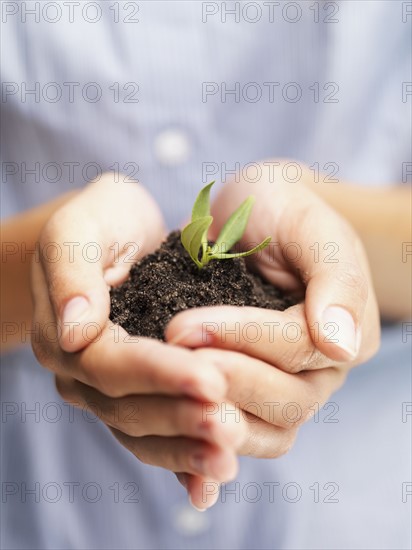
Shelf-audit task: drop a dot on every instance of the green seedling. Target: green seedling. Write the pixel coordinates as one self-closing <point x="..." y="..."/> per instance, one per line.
<point x="194" y="235"/>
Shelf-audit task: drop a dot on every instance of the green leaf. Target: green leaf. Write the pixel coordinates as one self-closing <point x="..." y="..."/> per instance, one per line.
<point x="223" y="255"/>
<point x="194" y="236"/>
<point x="201" y="207"/>
<point x="235" y="226"/>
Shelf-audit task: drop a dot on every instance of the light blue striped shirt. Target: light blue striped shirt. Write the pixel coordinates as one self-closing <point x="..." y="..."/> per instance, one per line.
<point x="173" y="94"/>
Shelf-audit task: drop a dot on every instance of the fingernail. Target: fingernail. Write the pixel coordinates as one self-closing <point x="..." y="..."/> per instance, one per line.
<point x="75" y="309"/>
<point x="345" y="337"/>
<point x="195" y="507"/>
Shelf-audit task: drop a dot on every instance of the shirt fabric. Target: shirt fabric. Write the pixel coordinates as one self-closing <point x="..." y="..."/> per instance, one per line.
<point x="333" y="81"/>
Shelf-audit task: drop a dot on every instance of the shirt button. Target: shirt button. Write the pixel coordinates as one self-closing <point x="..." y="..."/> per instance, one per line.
<point x="172" y="147"/>
<point x="187" y="521"/>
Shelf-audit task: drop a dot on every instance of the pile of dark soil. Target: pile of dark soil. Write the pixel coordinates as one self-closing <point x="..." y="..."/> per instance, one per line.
<point x="167" y="281"/>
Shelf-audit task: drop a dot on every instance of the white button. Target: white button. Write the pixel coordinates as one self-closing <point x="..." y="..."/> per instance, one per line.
<point x="189" y="521"/>
<point x="172" y="147"/>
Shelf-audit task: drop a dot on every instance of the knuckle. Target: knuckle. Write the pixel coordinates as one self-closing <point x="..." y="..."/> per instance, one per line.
<point x="107" y="387"/>
<point x="308" y="410"/>
<point x="176" y="457"/>
<point x="184" y="454"/>
<point x="293" y="359"/>
<point x="131" y="430"/>
<point x="300" y="353"/>
<point x="313" y="359"/>
<point x="126" y="422"/>
<point x="138" y="449"/>
<point x="64" y="389"/>
<point x="96" y="373"/>
<point x="291" y="416"/>
<point x="143" y="448"/>
<point x="294" y="414"/>
<point x="210" y="423"/>
<point x="45" y="352"/>
<point x="183" y="413"/>
<point x="93" y="373"/>
<point x="286" y="442"/>
<point x="314" y="398"/>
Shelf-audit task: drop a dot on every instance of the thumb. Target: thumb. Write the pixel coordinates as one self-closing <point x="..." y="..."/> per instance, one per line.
<point x="73" y="259"/>
<point x="338" y="284"/>
<point x="83" y="313"/>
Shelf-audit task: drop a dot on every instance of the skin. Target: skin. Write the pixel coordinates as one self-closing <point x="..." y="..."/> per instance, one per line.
<point x="181" y="388"/>
<point x="382" y="217"/>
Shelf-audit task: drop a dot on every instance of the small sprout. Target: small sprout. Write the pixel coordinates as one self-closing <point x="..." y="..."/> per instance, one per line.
<point x="194" y="235"/>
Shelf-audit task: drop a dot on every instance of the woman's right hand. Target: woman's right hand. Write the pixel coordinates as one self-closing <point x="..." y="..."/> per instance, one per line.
<point x="152" y="395"/>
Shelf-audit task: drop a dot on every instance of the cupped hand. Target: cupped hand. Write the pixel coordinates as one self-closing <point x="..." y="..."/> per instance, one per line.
<point x="150" y="394"/>
<point x="282" y="365"/>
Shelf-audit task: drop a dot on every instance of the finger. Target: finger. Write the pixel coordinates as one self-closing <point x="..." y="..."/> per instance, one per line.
<point x="78" y="292"/>
<point x="281" y="338"/>
<point x="180" y="454"/>
<point x="140" y="416"/>
<point x="203" y="492"/>
<point x="336" y="288"/>
<point x="264" y="441"/>
<point x="282" y="399"/>
<point x="117" y="365"/>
